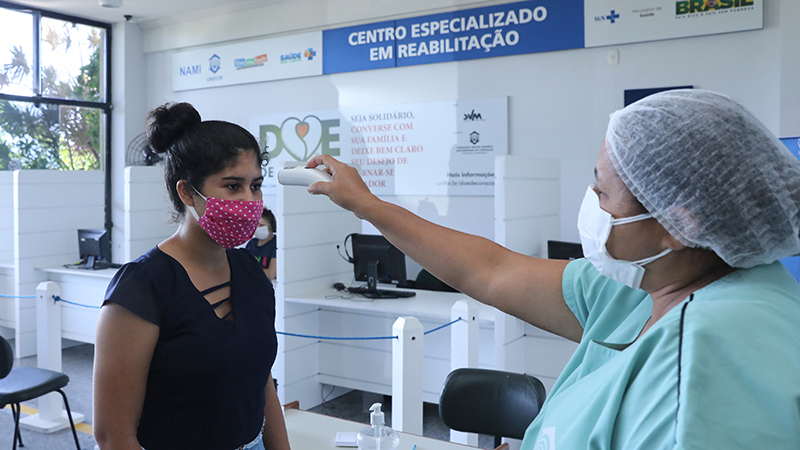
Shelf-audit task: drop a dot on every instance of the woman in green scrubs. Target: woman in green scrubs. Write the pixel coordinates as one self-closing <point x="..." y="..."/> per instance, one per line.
<point x="687" y="322"/>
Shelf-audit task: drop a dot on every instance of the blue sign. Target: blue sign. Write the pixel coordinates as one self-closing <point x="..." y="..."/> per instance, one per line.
<point x="510" y="29"/>
<point x="358" y="48"/>
<point x="793" y="263"/>
<point x="793" y="144"/>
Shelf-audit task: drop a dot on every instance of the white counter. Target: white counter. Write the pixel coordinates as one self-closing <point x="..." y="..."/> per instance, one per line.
<point x="308" y="430"/>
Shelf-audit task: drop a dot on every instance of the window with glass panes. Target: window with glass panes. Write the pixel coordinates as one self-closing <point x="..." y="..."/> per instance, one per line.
<point x="54" y="90"/>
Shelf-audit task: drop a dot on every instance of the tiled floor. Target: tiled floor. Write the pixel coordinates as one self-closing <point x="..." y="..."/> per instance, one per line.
<point x="77" y="363"/>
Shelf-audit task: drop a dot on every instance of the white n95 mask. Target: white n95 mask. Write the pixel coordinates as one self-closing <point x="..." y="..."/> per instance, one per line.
<point x="262" y="233"/>
<point x="594" y="226"/>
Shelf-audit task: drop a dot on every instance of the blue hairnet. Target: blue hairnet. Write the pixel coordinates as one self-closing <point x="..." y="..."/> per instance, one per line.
<point x="711" y="173"/>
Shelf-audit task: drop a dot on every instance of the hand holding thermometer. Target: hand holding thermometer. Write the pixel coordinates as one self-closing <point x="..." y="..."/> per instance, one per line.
<point x="301" y="176"/>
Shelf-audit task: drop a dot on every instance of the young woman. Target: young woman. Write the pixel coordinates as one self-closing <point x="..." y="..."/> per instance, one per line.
<point x="262" y="246"/>
<point x="186" y="336"/>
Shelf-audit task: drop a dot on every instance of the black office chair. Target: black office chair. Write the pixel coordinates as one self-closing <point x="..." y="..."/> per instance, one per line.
<point x="500" y="404"/>
<point x="26" y="383"/>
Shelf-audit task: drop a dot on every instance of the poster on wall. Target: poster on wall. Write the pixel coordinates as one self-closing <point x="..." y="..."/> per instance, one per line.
<point x="294" y="56"/>
<point x="613" y="22"/>
<point x="434" y="148"/>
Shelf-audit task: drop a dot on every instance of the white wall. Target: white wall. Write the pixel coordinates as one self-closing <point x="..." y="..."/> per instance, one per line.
<point x="558" y="102"/>
<point x="6" y="212"/>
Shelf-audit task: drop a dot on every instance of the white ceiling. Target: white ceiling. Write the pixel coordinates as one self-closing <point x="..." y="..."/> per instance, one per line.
<point x="141" y="11"/>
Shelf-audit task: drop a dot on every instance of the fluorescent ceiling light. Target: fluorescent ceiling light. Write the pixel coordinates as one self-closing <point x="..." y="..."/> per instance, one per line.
<point x="110" y="3"/>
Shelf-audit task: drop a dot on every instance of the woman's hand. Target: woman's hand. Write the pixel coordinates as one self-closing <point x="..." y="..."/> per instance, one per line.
<point x="347" y="189"/>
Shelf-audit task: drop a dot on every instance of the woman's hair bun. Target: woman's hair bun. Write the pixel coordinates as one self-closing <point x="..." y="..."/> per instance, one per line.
<point x="167" y="123"/>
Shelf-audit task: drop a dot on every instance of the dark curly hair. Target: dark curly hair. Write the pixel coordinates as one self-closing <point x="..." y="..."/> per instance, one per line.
<point x="194" y="149"/>
<point x="270" y="218"/>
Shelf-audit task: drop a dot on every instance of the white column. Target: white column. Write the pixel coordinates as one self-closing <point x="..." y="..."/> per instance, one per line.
<point x="407" y="362"/>
<point x="509" y="343"/>
<point x="464" y="336"/>
<point x="51" y="417"/>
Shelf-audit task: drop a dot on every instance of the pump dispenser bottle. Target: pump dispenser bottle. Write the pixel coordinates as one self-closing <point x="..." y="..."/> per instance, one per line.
<point x="377" y="436"/>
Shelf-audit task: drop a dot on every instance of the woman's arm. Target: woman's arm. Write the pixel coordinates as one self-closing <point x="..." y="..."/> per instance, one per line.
<point x="124" y="348"/>
<point x="275" y="436"/>
<point x="271" y="271"/>
<point x="523" y="286"/>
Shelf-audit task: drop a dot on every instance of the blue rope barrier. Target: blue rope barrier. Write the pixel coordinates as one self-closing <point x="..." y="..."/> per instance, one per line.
<point x="59" y="299"/>
<point x="17" y="296"/>
<point x="370" y="338"/>
<point x="307" y="336"/>
<point x="443" y="326"/>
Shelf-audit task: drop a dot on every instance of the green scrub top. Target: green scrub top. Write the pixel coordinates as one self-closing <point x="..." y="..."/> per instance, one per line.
<point x="726" y="375"/>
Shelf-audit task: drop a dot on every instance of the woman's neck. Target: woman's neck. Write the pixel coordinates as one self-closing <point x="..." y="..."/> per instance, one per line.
<point x="191" y="245"/>
<point x="681" y="277"/>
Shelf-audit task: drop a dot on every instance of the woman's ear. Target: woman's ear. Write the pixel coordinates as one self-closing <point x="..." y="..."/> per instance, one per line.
<point x="672" y="242"/>
<point x="185" y="192"/>
<point x="684" y="220"/>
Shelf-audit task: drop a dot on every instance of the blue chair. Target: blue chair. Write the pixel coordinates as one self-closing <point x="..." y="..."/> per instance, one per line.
<point x="27" y="383"/>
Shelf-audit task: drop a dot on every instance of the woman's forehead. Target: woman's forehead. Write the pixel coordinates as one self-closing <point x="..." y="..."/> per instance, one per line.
<point x="246" y="166"/>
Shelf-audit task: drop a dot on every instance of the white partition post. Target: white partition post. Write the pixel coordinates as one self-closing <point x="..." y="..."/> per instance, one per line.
<point x="146" y="212"/>
<point x="50" y="417"/>
<point x="407" y="353"/>
<point x="7" y="306"/>
<point x="50" y="206"/>
<point x="527" y="215"/>
<point x="464" y="336"/>
<point x="7" y="211"/>
<point x="309" y="228"/>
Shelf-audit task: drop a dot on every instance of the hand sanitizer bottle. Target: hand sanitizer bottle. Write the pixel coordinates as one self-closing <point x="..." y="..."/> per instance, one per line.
<point x="377" y="436"/>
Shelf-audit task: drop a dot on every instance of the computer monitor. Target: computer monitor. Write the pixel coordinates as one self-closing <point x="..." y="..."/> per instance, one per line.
<point x="564" y="250"/>
<point x="94" y="247"/>
<point x="376" y="260"/>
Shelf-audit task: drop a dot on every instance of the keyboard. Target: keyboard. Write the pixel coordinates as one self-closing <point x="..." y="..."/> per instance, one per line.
<point x="382" y="293"/>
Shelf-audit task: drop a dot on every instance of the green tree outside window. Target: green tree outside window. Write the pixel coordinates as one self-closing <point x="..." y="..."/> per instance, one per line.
<point x="42" y="135"/>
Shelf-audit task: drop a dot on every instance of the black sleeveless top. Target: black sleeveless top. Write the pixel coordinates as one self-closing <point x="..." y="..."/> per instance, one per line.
<point x="205" y="389"/>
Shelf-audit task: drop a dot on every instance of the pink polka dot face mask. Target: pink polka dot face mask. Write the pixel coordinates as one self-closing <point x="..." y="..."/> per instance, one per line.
<point x="230" y="223"/>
